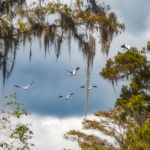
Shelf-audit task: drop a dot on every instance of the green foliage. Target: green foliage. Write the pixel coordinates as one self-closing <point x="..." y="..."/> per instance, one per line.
<point x="23" y="134"/>
<point x="22" y="26"/>
<point x="17" y="107"/>
<point x="148" y="45"/>
<point x="97" y="148"/>
<point x="5" y="27"/>
<point x="125" y="64"/>
<point x="78" y="14"/>
<point x="86" y="141"/>
<point x="139" y="139"/>
<point x="20" y="134"/>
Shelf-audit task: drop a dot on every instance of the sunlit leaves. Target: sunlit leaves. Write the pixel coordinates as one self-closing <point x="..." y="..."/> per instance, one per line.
<point x="96" y="147"/>
<point x="124" y="65"/>
<point x="139" y="139"/>
<point x="79" y="14"/>
<point x="85" y="141"/>
<point x="22" y="26"/>
<point x="5" y="27"/>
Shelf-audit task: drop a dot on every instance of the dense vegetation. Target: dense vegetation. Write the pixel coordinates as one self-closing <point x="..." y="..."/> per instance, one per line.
<point x="129" y="121"/>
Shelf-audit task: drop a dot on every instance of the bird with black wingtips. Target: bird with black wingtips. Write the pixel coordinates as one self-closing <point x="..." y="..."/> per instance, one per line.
<point x="90" y="87"/>
<point x="67" y="97"/>
<point x="125" y="46"/>
<point x="24" y="87"/>
<point x="73" y="73"/>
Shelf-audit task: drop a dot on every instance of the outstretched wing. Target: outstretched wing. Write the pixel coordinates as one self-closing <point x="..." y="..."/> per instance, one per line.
<point x="76" y="70"/>
<point x="27" y="86"/>
<point x="18" y="86"/>
<point x="127" y="46"/>
<point x="60" y="96"/>
<point x="31" y="83"/>
<point x="69" y="71"/>
<point x="94" y="86"/>
<point x="71" y="93"/>
<point x="83" y="86"/>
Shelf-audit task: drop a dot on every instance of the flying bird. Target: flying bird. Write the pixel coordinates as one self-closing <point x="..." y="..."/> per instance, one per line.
<point x="67" y="96"/>
<point x="90" y="87"/>
<point x="125" y="46"/>
<point x="24" y="87"/>
<point x="73" y="73"/>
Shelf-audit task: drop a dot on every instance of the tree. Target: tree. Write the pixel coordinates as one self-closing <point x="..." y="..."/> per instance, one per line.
<point x="129" y="121"/>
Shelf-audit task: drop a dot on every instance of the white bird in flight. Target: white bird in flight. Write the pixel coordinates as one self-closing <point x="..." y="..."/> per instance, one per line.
<point x="90" y="87"/>
<point x="73" y="73"/>
<point x="24" y="87"/>
<point x="66" y="97"/>
<point x="125" y="46"/>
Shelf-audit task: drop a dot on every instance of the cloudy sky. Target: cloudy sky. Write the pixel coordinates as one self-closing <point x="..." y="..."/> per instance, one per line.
<point x="52" y="116"/>
<point x="136" y="16"/>
<point x="134" y="13"/>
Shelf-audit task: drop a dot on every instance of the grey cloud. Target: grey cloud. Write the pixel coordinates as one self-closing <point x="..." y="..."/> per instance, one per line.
<point x="134" y="13"/>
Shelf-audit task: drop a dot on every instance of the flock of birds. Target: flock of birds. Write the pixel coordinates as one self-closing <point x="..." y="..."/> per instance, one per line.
<point x="67" y="97"/>
<point x="72" y="73"/>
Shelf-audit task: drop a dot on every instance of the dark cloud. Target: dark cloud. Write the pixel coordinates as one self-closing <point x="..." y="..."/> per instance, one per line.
<point x="51" y="80"/>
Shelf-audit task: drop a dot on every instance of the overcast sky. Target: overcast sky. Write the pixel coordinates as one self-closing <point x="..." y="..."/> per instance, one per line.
<point x="136" y="16"/>
<point x="49" y="130"/>
<point x="134" y="13"/>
